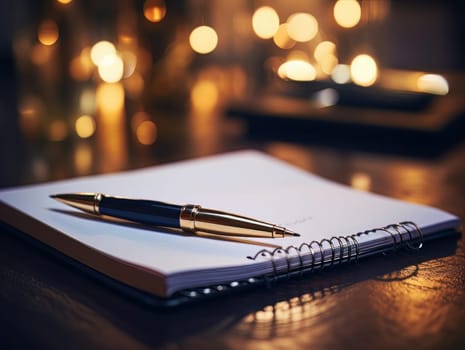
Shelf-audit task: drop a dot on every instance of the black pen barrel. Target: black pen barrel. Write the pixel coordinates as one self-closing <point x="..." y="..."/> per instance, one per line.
<point x="143" y="211"/>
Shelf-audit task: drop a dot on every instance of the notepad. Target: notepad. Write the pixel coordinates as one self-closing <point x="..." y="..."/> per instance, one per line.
<point x="337" y="224"/>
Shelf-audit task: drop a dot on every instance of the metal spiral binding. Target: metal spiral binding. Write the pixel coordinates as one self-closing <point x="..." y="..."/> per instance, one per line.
<point x="342" y="249"/>
<point x="311" y="256"/>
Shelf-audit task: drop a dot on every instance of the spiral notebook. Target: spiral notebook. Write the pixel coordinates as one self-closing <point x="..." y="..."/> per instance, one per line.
<point x="337" y="224"/>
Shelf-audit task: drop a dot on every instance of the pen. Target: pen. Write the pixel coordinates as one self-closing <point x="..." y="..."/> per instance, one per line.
<point x="189" y="218"/>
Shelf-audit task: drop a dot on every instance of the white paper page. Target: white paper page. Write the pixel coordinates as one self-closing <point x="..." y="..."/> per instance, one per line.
<point x="247" y="183"/>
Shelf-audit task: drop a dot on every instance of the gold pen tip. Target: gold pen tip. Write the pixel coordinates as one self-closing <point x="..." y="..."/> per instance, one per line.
<point x="87" y="202"/>
<point x="292" y="233"/>
<point x="60" y="197"/>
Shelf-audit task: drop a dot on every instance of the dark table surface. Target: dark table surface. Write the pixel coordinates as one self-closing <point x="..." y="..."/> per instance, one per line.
<point x="400" y="301"/>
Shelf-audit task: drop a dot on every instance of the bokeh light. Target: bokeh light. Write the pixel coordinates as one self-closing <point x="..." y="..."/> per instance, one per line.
<point x="361" y="181"/>
<point x="84" y="126"/>
<point x="111" y="134"/>
<point x="146" y="132"/>
<point x="302" y="27"/>
<point x="48" y="33"/>
<point x="111" y="68"/>
<point x="364" y="70"/>
<point x="81" y="67"/>
<point x="324" y="49"/>
<point x="138" y="118"/>
<point x="100" y="50"/>
<point x="265" y="22"/>
<point x="325" y="55"/>
<point x="87" y="102"/>
<point x="110" y="100"/>
<point x="154" y="10"/>
<point x="144" y="128"/>
<point x="298" y="70"/>
<point x="57" y="130"/>
<point x="282" y="38"/>
<point x="64" y="2"/>
<point x="347" y="13"/>
<point x="203" y="39"/>
<point x="341" y="74"/>
<point x="130" y="63"/>
<point x="204" y="96"/>
<point x="433" y="84"/>
<point x="298" y="55"/>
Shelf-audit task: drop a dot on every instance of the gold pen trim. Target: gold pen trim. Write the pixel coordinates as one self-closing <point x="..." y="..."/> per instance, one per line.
<point x="187" y="217"/>
<point x="87" y="202"/>
<point x="194" y="218"/>
<point x="97" y="199"/>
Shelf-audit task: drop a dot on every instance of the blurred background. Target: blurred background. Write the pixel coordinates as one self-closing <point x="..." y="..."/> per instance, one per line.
<point x="100" y="86"/>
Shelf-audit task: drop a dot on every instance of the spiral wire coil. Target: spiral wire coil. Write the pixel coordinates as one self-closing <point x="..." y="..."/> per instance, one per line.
<point x="342" y="249"/>
<point x="314" y="255"/>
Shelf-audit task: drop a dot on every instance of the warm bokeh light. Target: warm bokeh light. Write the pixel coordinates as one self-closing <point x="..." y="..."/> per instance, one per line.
<point x="111" y="68"/>
<point x="127" y="39"/>
<point x="347" y="13"/>
<point x="204" y="96"/>
<point x="146" y="132"/>
<point x="433" y="84"/>
<point x="282" y="38"/>
<point x="111" y="127"/>
<point x="64" y="2"/>
<point x="154" y="10"/>
<point x="57" y="130"/>
<point x="323" y="50"/>
<point x="81" y="67"/>
<point x="48" y="33"/>
<point x="265" y="22"/>
<point x="87" y="102"/>
<point x="130" y="63"/>
<point x="361" y="181"/>
<point x="302" y="27"/>
<point x="203" y="39"/>
<point x="101" y="50"/>
<point x="84" y="126"/>
<point x="110" y="99"/>
<point x="298" y="55"/>
<point x="138" y="118"/>
<point x="328" y="65"/>
<point x="298" y="70"/>
<point x="325" y="55"/>
<point x="341" y="74"/>
<point x="364" y="70"/>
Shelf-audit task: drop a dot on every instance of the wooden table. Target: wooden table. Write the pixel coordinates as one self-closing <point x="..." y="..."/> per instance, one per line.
<point x="400" y="301"/>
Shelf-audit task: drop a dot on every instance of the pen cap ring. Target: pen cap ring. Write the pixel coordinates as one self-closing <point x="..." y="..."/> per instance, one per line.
<point x="187" y="217"/>
<point x="96" y="203"/>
